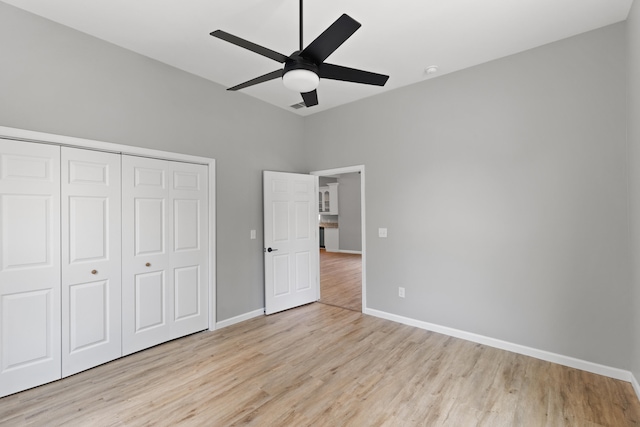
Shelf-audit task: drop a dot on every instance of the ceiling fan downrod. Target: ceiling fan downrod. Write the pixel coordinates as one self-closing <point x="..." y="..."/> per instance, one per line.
<point x="301" y="45"/>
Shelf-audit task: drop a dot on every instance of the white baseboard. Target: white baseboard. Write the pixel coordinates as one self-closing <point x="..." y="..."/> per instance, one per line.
<point x="345" y="251"/>
<point x="619" y="374"/>
<point x="241" y="318"/>
<point x="636" y="386"/>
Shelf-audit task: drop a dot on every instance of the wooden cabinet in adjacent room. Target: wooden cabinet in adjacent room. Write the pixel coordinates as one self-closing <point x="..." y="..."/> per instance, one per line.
<point x="328" y="199"/>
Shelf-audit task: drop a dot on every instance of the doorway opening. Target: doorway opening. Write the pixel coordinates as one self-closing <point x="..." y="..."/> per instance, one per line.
<point x="341" y="279"/>
<point x="343" y="258"/>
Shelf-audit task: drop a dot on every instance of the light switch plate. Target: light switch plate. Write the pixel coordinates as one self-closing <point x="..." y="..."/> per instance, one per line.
<point x="382" y="232"/>
<point x="253" y="234"/>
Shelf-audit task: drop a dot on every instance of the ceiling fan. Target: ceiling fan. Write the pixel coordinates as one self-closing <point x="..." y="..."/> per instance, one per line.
<point x="304" y="68"/>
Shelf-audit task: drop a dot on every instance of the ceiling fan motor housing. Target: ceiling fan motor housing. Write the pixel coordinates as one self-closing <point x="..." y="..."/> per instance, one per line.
<point x="297" y="62"/>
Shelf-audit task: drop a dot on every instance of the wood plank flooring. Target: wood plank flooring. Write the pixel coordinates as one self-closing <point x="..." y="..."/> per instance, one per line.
<point x="320" y="365"/>
<point x="341" y="279"/>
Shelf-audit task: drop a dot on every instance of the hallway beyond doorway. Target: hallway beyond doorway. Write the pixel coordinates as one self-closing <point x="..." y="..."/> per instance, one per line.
<point x="341" y="280"/>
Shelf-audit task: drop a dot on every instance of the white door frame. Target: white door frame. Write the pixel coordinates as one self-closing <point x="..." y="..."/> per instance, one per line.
<point x="352" y="169"/>
<point x="68" y="141"/>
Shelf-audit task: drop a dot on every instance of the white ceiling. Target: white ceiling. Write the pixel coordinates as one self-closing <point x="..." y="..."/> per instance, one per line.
<point x="400" y="38"/>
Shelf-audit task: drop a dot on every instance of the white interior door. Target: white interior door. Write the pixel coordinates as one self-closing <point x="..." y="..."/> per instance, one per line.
<point x="146" y="218"/>
<point x="189" y="254"/>
<point x="165" y="251"/>
<point x="291" y="253"/>
<point x="29" y="265"/>
<point x="91" y="259"/>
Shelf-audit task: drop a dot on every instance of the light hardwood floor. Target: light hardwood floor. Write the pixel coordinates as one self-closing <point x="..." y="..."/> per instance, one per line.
<point x="341" y="280"/>
<point x="320" y="365"/>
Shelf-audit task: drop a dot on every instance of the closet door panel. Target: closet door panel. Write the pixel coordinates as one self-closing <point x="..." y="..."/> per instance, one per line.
<point x="150" y="226"/>
<point x="91" y="259"/>
<point x="88" y="228"/>
<point x="89" y="316"/>
<point x="29" y="265"/>
<point x="150" y="291"/>
<point x="189" y="199"/>
<point x="165" y="251"/>
<point x="147" y="282"/>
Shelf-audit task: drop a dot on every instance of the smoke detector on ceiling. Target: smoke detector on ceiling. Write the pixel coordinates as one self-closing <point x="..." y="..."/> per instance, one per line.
<point x="431" y="70"/>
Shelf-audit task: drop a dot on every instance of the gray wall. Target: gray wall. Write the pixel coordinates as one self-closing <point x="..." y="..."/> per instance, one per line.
<point x="633" y="135"/>
<point x="57" y="80"/>
<point x="350" y="220"/>
<point x="504" y="190"/>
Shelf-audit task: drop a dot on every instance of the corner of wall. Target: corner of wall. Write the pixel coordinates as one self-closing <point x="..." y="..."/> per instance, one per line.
<point x="633" y="161"/>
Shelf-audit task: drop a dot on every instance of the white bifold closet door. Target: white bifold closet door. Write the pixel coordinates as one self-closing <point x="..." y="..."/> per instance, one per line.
<point x="29" y="265"/>
<point x="165" y="247"/>
<point x="91" y="275"/>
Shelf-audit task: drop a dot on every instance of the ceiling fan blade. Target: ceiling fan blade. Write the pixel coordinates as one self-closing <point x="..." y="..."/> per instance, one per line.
<point x="346" y="74"/>
<point x="327" y="42"/>
<point x="265" y="78"/>
<point x="310" y="98"/>
<point x="272" y="54"/>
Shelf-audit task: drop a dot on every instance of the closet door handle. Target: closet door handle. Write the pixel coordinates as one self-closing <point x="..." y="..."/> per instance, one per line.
<point x="271" y="250"/>
<point x="94" y="271"/>
<point x="148" y="264"/>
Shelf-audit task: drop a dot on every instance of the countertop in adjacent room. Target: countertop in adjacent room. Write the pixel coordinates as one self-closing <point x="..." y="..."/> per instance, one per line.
<point x="328" y="225"/>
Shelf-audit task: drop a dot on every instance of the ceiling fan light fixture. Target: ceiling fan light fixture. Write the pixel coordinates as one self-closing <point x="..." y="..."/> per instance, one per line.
<point x="301" y="80"/>
<point x="303" y="68"/>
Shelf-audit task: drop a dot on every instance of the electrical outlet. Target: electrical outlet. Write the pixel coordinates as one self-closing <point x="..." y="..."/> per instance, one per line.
<point x="382" y="232"/>
<point x="401" y="292"/>
<point x="252" y="235"/>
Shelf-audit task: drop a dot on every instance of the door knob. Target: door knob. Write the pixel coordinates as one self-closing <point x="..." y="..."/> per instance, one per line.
<point x="94" y="271"/>
<point x="148" y="264"/>
<point x="271" y="250"/>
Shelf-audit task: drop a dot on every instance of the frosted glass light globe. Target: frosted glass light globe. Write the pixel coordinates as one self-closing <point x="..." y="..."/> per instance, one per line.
<point x="301" y="80"/>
